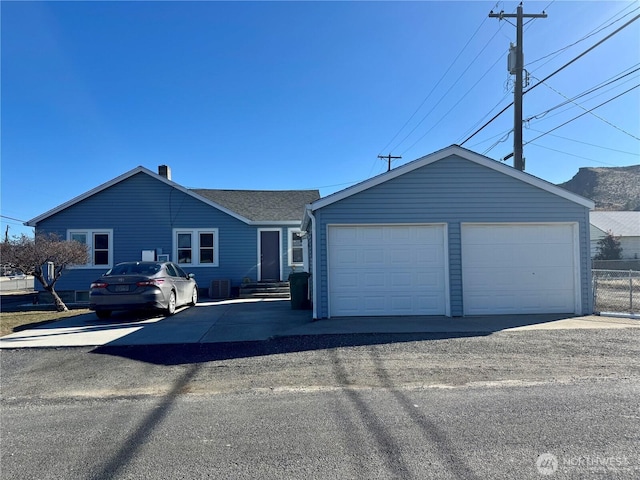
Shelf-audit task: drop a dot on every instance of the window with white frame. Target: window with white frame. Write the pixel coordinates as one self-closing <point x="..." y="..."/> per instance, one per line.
<point x="196" y="247"/>
<point x="100" y="243"/>
<point x="296" y="249"/>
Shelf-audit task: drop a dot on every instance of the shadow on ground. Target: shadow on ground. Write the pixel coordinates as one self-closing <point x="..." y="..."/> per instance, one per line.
<point x="200" y="353"/>
<point x="85" y="323"/>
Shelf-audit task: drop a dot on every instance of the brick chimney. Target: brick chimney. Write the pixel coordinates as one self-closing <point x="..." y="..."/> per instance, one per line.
<point x="165" y="171"/>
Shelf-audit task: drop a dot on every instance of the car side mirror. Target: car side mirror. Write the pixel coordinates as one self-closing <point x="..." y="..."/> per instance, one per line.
<point x="191" y="275"/>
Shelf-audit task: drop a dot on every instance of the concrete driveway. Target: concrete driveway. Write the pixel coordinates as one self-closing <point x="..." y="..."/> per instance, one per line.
<point x="258" y="320"/>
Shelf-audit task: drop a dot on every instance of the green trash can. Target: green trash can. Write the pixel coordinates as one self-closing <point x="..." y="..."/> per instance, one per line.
<point x="299" y="285"/>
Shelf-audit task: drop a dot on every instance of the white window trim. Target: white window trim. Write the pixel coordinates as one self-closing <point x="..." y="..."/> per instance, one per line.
<point x="290" y="261"/>
<point x="90" y="232"/>
<point x="195" y="247"/>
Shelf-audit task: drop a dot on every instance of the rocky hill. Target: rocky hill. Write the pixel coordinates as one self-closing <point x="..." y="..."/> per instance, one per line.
<point x="611" y="188"/>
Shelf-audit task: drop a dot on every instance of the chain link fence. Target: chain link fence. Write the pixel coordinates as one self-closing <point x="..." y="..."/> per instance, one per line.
<point x="616" y="291"/>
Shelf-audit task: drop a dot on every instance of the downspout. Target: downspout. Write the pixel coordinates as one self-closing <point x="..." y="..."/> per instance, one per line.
<point x="313" y="263"/>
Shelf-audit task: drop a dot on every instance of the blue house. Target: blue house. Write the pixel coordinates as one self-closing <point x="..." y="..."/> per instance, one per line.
<point x="453" y="233"/>
<point x="235" y="235"/>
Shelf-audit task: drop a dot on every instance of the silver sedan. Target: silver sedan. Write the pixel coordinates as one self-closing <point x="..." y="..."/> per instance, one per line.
<point x="142" y="285"/>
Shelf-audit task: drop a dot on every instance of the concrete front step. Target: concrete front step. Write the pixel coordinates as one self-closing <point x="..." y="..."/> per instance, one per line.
<point x="264" y="295"/>
<point x="265" y="290"/>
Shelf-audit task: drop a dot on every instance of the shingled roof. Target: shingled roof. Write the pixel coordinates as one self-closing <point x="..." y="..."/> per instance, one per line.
<point x="262" y="205"/>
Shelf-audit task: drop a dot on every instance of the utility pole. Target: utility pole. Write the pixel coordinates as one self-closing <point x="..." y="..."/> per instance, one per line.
<point x="388" y="158"/>
<point x="517" y="69"/>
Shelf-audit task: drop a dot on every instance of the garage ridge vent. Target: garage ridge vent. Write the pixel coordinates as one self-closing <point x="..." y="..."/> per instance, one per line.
<point x="165" y="171"/>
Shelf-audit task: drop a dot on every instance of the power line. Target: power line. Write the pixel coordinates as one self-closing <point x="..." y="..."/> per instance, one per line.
<point x="546" y="117"/>
<point x="582" y="114"/>
<point x="444" y="96"/>
<point x="503" y="139"/>
<point x="583" y="53"/>
<point x="506" y="132"/>
<point x="436" y="85"/>
<point x="528" y="24"/>
<point x="551" y="75"/>
<point x="611" y="80"/>
<point x="583" y="108"/>
<point x="352" y="182"/>
<point x="486" y="124"/>
<point x="10" y="222"/>
<point x="574" y="155"/>
<point x="11" y="218"/>
<point x="469" y="130"/>
<point x="589" y="35"/>
<point x="635" y="154"/>
<point x="565" y="123"/>
<point x="454" y="105"/>
<point x="501" y="134"/>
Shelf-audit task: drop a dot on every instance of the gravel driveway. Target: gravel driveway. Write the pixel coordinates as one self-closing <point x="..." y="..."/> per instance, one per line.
<point x="324" y="362"/>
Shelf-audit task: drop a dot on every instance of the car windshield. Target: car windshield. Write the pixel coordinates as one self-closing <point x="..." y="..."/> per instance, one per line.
<point x="135" y="269"/>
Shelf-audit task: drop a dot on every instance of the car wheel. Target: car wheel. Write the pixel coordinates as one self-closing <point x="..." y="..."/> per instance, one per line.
<point x="171" y="306"/>
<point x="103" y="314"/>
<point x="194" y="297"/>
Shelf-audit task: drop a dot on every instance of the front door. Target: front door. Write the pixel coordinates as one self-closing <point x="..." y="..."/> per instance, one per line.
<point x="270" y="255"/>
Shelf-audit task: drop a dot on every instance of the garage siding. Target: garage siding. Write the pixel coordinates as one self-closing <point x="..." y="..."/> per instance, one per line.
<point x="455" y="269"/>
<point x="451" y="191"/>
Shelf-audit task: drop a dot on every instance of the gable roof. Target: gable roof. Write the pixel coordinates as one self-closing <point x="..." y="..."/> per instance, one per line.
<point x="263" y="205"/>
<point x="621" y="224"/>
<point x="440" y="155"/>
<point x="228" y="208"/>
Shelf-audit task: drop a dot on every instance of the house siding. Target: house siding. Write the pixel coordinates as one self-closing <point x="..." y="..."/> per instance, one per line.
<point x="452" y="191"/>
<point x="630" y="247"/>
<point x="142" y="212"/>
<point x="596" y="236"/>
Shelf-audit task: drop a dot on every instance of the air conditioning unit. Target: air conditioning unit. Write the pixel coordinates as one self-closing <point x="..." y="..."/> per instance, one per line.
<point x="220" y="289"/>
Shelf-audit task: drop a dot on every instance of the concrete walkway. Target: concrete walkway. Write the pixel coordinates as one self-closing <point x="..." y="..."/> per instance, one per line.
<point x="259" y="320"/>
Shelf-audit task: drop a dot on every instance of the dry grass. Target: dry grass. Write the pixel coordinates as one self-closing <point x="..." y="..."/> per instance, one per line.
<point x="15" y="321"/>
<point x="618" y="283"/>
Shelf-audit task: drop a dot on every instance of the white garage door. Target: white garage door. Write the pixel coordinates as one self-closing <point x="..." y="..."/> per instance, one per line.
<point x="387" y="270"/>
<point x="524" y="268"/>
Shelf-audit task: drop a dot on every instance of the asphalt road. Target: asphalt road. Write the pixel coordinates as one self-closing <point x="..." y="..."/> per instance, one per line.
<point x="507" y="405"/>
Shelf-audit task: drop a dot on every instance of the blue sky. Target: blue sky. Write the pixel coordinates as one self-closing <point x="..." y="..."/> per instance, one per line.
<point x="295" y="95"/>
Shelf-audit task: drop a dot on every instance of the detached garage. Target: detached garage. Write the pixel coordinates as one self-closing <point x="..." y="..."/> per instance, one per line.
<point x="453" y="233"/>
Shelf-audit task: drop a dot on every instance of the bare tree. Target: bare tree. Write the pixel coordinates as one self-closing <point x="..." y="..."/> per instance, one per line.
<point x="31" y="256"/>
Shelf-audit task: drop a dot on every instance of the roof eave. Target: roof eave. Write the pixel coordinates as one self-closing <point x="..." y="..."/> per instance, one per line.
<point x="287" y="223"/>
<point x="140" y="169"/>
<point x="306" y="219"/>
<point x="34" y="221"/>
